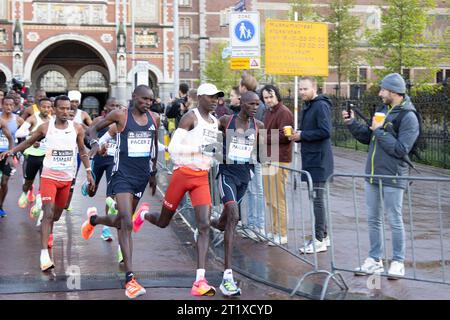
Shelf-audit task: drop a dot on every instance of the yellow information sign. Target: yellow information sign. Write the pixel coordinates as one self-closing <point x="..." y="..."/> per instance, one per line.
<point x="296" y="48"/>
<point x="240" y="63"/>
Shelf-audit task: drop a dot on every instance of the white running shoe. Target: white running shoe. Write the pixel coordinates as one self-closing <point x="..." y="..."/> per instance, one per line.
<point x="46" y="262"/>
<point x="321" y="246"/>
<point x="370" y="266"/>
<point x="396" y="270"/>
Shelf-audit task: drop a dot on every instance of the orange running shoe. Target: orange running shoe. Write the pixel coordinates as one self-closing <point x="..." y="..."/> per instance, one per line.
<point x="202" y="288"/>
<point x="50" y="241"/>
<point x="133" y="289"/>
<point x="87" y="229"/>
<point x="137" y="220"/>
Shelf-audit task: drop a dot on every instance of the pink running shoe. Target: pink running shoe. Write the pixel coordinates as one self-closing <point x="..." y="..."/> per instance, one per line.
<point x="137" y="220"/>
<point x="202" y="288"/>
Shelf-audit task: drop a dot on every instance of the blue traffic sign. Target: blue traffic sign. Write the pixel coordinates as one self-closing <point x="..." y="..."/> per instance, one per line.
<point x="244" y="30"/>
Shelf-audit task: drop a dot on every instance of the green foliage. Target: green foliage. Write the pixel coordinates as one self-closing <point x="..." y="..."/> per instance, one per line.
<point x="218" y="71"/>
<point x="305" y="10"/>
<point x="401" y="41"/>
<point x="342" y="38"/>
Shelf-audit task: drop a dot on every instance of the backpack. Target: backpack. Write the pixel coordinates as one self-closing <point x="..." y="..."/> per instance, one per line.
<point x="420" y="144"/>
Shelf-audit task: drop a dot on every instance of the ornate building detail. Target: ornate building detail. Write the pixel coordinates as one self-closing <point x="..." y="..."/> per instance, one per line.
<point x="58" y="13"/>
<point x="33" y="36"/>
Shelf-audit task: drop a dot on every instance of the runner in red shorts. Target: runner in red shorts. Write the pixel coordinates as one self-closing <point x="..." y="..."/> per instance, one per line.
<point x="62" y="136"/>
<point x="197" y="133"/>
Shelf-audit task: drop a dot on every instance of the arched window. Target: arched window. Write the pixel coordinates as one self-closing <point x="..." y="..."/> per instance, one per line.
<point x="90" y="105"/>
<point x="185" y="59"/>
<point x="53" y="81"/>
<point x="93" y="81"/>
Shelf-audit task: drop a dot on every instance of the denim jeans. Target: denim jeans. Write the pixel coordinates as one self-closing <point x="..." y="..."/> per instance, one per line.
<point x="393" y="201"/>
<point x="255" y="203"/>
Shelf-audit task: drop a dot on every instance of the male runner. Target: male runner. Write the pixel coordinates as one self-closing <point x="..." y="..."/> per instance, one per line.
<point x="135" y="166"/>
<point x="196" y="133"/>
<point x="63" y="136"/>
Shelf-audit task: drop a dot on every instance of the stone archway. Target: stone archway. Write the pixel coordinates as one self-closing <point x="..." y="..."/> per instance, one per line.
<point x="92" y="44"/>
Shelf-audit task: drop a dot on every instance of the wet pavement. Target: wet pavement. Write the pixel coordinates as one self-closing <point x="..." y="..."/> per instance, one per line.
<point x="165" y="263"/>
<point x="165" y="259"/>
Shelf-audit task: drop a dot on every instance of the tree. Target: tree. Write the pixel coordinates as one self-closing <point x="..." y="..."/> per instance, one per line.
<point x="342" y="38"/>
<point x="218" y="71"/>
<point x="304" y="9"/>
<point x="401" y="42"/>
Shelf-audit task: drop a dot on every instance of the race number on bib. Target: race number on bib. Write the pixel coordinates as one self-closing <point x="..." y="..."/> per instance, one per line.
<point x="111" y="147"/>
<point x="139" y="143"/>
<point x="240" y="149"/>
<point x="61" y="160"/>
<point x="4" y="143"/>
<point x="209" y="136"/>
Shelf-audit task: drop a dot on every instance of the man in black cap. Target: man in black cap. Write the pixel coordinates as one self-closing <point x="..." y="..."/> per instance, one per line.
<point x="387" y="149"/>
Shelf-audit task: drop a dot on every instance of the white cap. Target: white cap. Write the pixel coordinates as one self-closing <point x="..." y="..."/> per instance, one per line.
<point x="74" y="95"/>
<point x="209" y="89"/>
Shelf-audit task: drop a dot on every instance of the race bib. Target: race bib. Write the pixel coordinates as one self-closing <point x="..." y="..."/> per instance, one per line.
<point x="61" y="160"/>
<point x="240" y="149"/>
<point x="4" y="143"/>
<point x="209" y="136"/>
<point x="139" y="143"/>
<point x="111" y="147"/>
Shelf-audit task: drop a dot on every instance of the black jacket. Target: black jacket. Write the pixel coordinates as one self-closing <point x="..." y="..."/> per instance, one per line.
<point x="315" y="126"/>
<point x="174" y="111"/>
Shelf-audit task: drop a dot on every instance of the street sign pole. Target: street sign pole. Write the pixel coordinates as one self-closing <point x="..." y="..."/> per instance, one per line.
<point x="296" y="97"/>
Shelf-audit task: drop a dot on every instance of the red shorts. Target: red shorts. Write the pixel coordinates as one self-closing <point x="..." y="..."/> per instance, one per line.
<point x="184" y="180"/>
<point x="55" y="191"/>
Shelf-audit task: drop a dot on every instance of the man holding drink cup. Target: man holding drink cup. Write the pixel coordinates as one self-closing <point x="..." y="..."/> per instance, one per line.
<point x="387" y="150"/>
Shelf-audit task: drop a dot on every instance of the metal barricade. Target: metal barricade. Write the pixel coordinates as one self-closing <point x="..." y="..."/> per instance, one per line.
<point x="425" y="215"/>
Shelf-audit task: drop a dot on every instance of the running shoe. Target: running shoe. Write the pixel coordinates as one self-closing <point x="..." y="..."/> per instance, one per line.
<point x="106" y="234"/>
<point x="23" y="200"/>
<point x="50" y="241"/>
<point x="133" y="289"/>
<point x="229" y="288"/>
<point x="202" y="288"/>
<point x="137" y="220"/>
<point x="3" y="213"/>
<point x="46" y="262"/>
<point x="87" y="229"/>
<point x="69" y="209"/>
<point x="111" y="203"/>
<point x="119" y="255"/>
<point x="84" y="188"/>
<point x="30" y="194"/>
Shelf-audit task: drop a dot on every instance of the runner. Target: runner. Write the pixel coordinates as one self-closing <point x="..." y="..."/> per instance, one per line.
<point x="104" y="163"/>
<point x="40" y="94"/>
<point x="135" y="166"/>
<point x="6" y="165"/>
<point x="12" y="122"/>
<point x="62" y="138"/>
<point x="83" y="118"/>
<point x="34" y="155"/>
<point x="197" y="132"/>
<point x="241" y="132"/>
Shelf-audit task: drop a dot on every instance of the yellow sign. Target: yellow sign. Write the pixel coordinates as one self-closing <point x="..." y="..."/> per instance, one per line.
<point x="296" y="48"/>
<point x="240" y="63"/>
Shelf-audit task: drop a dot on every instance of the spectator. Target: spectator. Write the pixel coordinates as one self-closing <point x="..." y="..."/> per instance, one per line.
<point x="178" y="107"/>
<point x="235" y="100"/>
<point x="276" y="118"/>
<point x="386" y="151"/>
<point x="221" y="108"/>
<point x="317" y="157"/>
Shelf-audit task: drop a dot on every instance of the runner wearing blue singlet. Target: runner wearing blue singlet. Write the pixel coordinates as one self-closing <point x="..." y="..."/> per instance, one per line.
<point x="241" y="135"/>
<point x="134" y="168"/>
<point x="10" y="121"/>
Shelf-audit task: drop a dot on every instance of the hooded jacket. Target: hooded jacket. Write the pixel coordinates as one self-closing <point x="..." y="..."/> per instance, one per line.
<point x="315" y="126"/>
<point x="387" y="148"/>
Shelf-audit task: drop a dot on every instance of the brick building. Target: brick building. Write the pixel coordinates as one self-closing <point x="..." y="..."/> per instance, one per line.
<point x="61" y="45"/>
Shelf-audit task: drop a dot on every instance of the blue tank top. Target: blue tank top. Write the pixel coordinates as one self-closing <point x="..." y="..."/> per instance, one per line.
<point x="240" y="152"/>
<point x="107" y="159"/>
<point x="12" y="126"/>
<point x="135" y="148"/>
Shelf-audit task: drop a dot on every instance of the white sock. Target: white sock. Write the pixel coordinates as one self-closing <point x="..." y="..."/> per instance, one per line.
<point x="228" y="274"/>
<point x="200" y="274"/>
<point x="143" y="212"/>
<point x="44" y="254"/>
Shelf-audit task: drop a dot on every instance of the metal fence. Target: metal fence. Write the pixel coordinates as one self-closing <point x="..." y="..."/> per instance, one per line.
<point x="426" y="217"/>
<point x="435" y="111"/>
